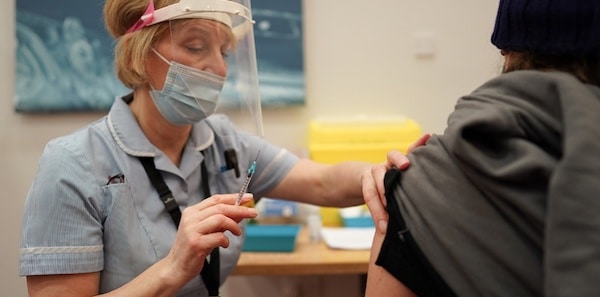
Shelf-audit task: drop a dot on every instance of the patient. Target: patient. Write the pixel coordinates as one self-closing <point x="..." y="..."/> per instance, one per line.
<point x="505" y="201"/>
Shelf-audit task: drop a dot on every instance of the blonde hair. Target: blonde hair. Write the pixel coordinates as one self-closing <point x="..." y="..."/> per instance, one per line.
<point x="131" y="49"/>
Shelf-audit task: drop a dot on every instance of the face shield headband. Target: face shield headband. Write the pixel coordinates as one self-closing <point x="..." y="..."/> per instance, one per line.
<point x="207" y="9"/>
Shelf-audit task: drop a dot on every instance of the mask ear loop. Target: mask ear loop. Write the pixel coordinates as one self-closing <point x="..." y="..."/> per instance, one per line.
<point x="161" y="56"/>
<point x="145" y="19"/>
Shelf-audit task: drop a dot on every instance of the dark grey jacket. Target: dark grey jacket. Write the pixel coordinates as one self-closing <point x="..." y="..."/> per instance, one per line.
<point x="507" y="201"/>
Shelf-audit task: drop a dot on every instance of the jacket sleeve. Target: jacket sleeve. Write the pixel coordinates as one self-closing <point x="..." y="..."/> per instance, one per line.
<point x="572" y="237"/>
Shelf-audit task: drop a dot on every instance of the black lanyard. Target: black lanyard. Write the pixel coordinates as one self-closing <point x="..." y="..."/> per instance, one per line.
<point x="211" y="270"/>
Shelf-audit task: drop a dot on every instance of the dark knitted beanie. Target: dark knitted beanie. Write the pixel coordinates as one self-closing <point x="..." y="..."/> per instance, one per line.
<point x="557" y="27"/>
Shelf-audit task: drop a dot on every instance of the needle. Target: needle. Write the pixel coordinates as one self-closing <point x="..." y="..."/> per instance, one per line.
<point x="247" y="181"/>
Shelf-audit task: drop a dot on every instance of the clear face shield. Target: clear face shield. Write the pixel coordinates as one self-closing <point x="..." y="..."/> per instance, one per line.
<point x="213" y="53"/>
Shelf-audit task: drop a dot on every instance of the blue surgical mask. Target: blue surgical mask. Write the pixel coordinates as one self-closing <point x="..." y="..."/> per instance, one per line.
<point x="189" y="95"/>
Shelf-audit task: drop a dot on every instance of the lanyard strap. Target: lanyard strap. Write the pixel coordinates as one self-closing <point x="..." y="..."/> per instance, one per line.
<point x="211" y="270"/>
<point x="163" y="190"/>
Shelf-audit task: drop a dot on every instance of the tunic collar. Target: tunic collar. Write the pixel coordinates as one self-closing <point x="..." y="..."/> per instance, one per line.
<point x="131" y="139"/>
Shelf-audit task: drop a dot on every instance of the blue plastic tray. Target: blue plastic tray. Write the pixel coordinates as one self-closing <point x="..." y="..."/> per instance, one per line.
<point x="271" y="238"/>
<point x="360" y="221"/>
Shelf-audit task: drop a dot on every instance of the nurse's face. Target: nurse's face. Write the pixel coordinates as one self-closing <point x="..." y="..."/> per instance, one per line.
<point x="199" y="43"/>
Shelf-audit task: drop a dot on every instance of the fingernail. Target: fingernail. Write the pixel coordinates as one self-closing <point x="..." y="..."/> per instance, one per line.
<point x="253" y="211"/>
<point x="404" y="164"/>
<point x="382" y="226"/>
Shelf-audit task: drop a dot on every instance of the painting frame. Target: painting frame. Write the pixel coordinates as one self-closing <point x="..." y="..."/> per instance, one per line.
<point x="64" y="56"/>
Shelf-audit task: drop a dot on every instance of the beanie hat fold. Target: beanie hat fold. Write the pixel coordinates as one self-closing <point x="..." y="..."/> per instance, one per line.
<point x="558" y="27"/>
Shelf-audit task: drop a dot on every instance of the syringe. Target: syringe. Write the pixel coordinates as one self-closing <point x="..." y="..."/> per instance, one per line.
<point x="247" y="181"/>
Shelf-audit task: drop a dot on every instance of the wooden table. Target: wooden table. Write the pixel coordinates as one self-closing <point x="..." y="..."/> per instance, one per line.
<point x="307" y="258"/>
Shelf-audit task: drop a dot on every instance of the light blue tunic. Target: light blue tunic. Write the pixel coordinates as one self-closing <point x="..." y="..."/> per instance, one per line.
<point x="75" y="223"/>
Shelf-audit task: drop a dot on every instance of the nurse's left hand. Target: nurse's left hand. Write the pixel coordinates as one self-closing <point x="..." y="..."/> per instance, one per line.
<point x="372" y="183"/>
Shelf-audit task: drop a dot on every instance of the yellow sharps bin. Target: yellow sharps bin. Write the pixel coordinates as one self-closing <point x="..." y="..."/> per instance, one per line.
<point x="332" y="140"/>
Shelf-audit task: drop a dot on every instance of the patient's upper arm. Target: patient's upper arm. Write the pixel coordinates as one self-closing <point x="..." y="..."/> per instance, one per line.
<point x="379" y="281"/>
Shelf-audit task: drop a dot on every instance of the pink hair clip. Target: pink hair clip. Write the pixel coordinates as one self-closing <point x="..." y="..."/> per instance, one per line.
<point x="145" y="19"/>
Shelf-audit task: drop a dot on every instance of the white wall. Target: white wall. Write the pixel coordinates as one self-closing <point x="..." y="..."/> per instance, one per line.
<point x="359" y="59"/>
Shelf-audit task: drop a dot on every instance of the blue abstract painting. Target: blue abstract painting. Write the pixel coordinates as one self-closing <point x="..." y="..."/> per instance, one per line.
<point x="64" y="56"/>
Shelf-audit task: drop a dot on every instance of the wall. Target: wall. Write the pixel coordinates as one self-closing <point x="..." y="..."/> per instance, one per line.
<point x="360" y="59"/>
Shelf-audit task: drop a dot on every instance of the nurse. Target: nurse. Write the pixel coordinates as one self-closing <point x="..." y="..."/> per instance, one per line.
<point x="142" y="201"/>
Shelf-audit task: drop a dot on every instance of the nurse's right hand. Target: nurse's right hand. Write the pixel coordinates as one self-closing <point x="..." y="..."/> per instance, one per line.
<point x="202" y="229"/>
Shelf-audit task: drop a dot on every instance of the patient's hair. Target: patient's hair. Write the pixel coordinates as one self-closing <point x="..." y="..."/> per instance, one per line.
<point x="586" y="68"/>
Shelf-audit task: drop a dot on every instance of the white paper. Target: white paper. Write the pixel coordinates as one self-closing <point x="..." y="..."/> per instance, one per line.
<point x="348" y="238"/>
